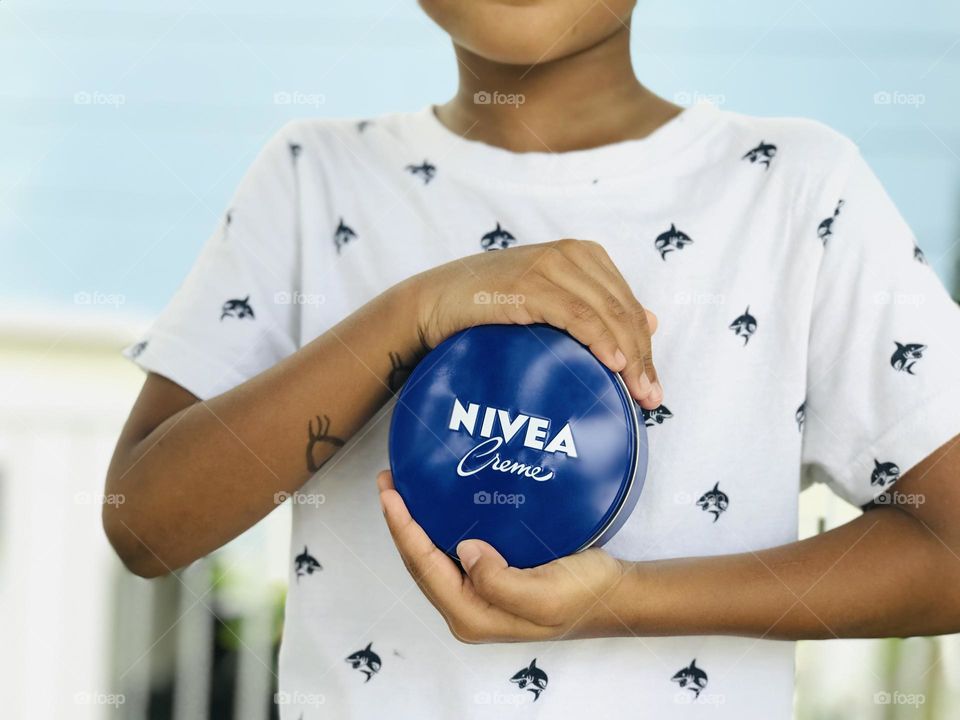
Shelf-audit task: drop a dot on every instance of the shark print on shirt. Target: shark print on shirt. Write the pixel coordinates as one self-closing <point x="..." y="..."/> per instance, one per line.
<point x="531" y="678"/>
<point x="801" y="415"/>
<point x="906" y="356"/>
<point x="919" y="256"/>
<point x="884" y="473"/>
<point x="671" y="240"/>
<point x="744" y="326"/>
<point x="497" y="239"/>
<point x="315" y="437"/>
<point x="305" y="564"/>
<point x="237" y="308"/>
<point x="366" y="661"/>
<point x="762" y="154"/>
<point x="656" y="416"/>
<point x="363" y="125"/>
<point x="342" y="235"/>
<point x="137" y="350"/>
<point x="425" y="171"/>
<point x="295" y="149"/>
<point x="825" y="229"/>
<point x="714" y="501"/>
<point x="692" y="678"/>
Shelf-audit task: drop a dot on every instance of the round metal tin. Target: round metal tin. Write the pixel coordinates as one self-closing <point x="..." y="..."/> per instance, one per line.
<point x="519" y="436"/>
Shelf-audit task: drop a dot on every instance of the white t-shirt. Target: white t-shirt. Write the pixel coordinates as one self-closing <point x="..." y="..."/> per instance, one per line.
<point x="802" y="338"/>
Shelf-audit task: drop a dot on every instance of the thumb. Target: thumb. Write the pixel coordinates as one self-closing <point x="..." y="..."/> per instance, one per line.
<point x="506" y="587"/>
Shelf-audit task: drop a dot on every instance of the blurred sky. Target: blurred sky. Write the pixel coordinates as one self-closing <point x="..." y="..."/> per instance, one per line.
<point x="125" y="127"/>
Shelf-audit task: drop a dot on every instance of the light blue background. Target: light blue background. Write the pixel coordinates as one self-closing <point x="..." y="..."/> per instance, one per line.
<point x="118" y="200"/>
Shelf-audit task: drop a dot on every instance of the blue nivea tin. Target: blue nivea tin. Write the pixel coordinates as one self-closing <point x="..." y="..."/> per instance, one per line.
<point x="519" y="436"/>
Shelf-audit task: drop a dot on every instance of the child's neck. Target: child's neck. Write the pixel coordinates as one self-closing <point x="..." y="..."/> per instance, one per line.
<point x="585" y="100"/>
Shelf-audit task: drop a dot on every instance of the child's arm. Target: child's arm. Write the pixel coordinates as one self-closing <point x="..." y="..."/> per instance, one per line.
<point x="893" y="571"/>
<point x="196" y="474"/>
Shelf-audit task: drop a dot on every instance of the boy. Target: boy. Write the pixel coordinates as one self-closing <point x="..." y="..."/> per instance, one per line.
<point x="768" y="253"/>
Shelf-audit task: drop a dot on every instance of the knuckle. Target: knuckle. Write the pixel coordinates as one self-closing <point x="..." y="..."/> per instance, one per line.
<point x="567" y="244"/>
<point x="465" y="632"/>
<point x="580" y="310"/>
<point x="616" y="308"/>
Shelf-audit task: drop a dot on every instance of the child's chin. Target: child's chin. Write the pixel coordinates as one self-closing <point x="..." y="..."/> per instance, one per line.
<point x="527" y="32"/>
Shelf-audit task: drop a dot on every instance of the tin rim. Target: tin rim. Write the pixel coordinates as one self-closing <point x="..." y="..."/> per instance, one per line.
<point x="628" y="487"/>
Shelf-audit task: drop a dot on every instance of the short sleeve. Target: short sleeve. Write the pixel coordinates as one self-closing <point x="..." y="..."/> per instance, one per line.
<point x="882" y="382"/>
<point x="228" y="320"/>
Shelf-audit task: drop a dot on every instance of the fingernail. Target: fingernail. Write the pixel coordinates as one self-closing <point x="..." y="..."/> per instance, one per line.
<point x="620" y="360"/>
<point x="469" y="553"/>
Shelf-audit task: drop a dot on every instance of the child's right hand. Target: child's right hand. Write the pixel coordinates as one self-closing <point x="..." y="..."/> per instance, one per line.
<point x="570" y="284"/>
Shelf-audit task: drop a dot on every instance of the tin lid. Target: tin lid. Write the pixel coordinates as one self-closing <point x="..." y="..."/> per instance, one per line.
<point x="519" y="436"/>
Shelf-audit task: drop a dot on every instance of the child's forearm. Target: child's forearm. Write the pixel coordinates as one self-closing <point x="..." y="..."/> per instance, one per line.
<point x="882" y="574"/>
<point x="213" y="469"/>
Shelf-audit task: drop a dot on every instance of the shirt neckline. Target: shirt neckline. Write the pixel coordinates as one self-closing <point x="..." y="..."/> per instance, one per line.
<point x="462" y="155"/>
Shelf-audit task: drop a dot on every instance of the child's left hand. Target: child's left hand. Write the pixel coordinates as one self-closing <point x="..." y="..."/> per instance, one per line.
<point x="568" y="598"/>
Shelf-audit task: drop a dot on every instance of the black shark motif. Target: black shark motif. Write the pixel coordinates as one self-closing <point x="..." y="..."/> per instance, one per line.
<point x="671" y="240"/>
<point x="305" y="564"/>
<point x="531" y="678"/>
<point x="825" y="229"/>
<point x="366" y="661"/>
<point x="342" y="235"/>
<point x="137" y="350"/>
<point x="363" y="125"/>
<point x="714" y="501"/>
<point x="692" y="678"/>
<point x="919" y="256"/>
<point x="762" y="154"/>
<point x="238" y="308"/>
<point x="801" y="415"/>
<point x="656" y="416"/>
<point x="744" y="326"/>
<point x="906" y="356"/>
<point x="884" y="473"/>
<point x="295" y="149"/>
<point x="497" y="239"/>
<point x="424" y="171"/>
